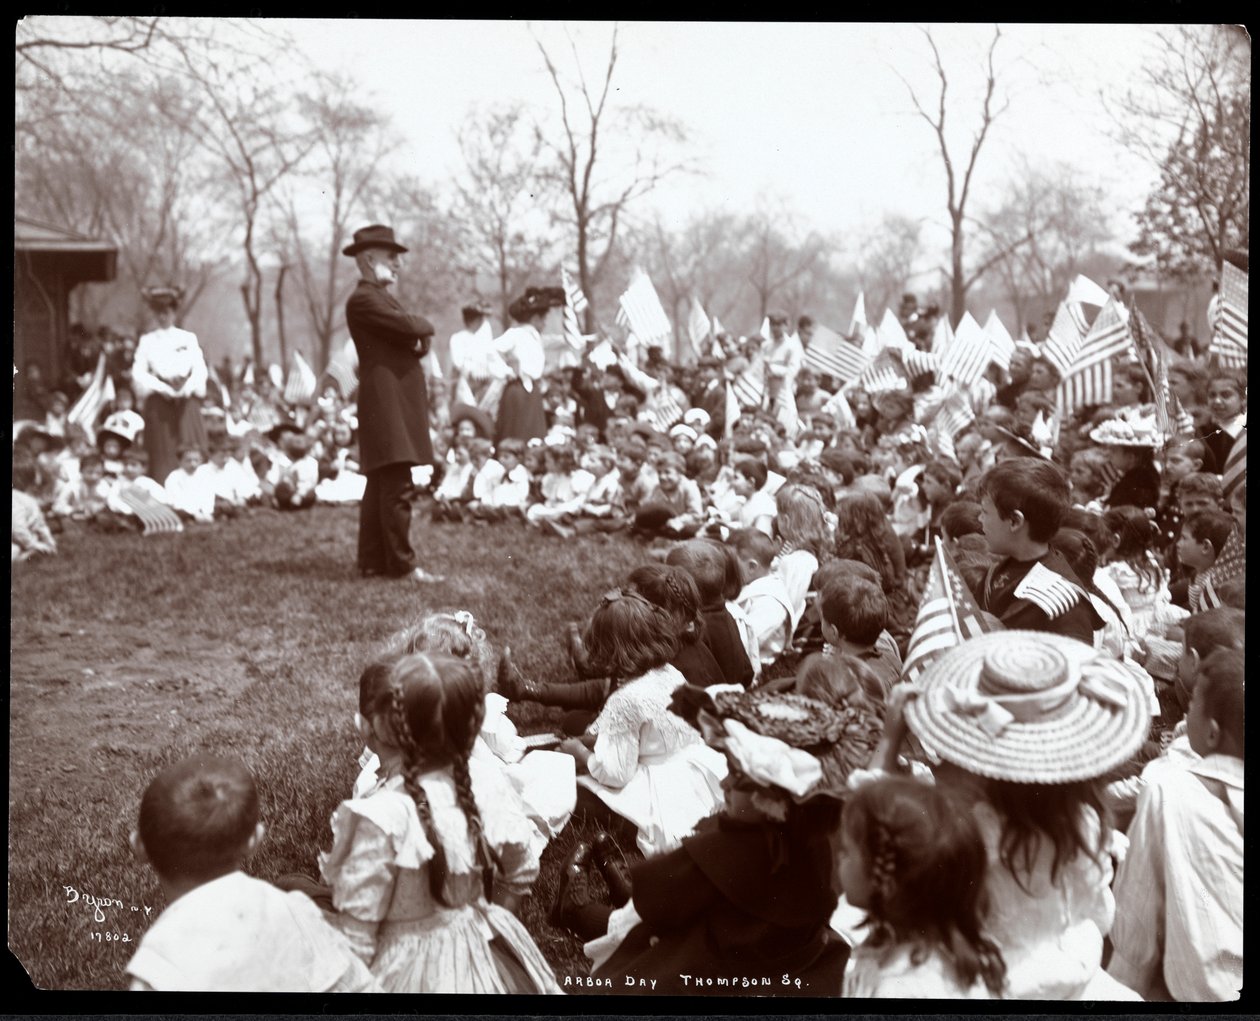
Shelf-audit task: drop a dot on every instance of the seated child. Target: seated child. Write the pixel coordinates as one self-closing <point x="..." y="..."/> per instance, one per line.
<point x="111" y="445"/>
<point x="29" y="534"/>
<point x="751" y="484"/>
<point x="295" y="473"/>
<point x="706" y="562"/>
<point x="136" y="483"/>
<point x="598" y="511"/>
<point x="455" y="489"/>
<point x="224" y="931"/>
<point x="962" y="517"/>
<point x="1178" y="930"/>
<point x="1032" y="587"/>
<point x="87" y="498"/>
<point x="564" y="487"/>
<point x="189" y="494"/>
<point x="675" y="508"/>
<point x="638" y="478"/>
<point x="854" y="617"/>
<point x="219" y="477"/>
<point x="764" y="598"/>
<point x="509" y="496"/>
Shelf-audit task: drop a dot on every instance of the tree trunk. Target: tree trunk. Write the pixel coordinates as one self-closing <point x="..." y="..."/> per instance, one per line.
<point x="255" y="331"/>
<point x="284" y="347"/>
<point x="957" y="285"/>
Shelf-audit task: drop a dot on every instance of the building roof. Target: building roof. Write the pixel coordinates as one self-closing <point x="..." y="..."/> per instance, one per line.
<point x="33" y="236"/>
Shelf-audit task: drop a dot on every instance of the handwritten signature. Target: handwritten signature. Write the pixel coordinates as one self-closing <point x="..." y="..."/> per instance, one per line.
<point x="100" y="904"/>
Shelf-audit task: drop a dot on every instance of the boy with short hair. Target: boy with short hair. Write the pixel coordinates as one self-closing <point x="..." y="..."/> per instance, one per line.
<point x="219" y="477"/>
<point x="88" y="496"/>
<point x="222" y="930"/>
<point x="854" y="613"/>
<point x="510" y="494"/>
<point x="764" y="598"/>
<point x="1031" y="587"/>
<point x="189" y="494"/>
<point x="1179" y="891"/>
<point x="295" y="474"/>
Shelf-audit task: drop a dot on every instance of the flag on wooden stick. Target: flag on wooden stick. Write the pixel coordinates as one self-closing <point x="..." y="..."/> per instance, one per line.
<point x="87" y="409"/>
<point x="942" y="336"/>
<point x="858" y="320"/>
<point x="666" y="410"/>
<point x="1089" y="380"/>
<point x="1229" y="338"/>
<point x="698" y="326"/>
<point x="948" y="616"/>
<point x="968" y="356"/>
<point x="574" y="304"/>
<point x="1064" y="340"/>
<point x="300" y="387"/>
<point x="999" y="340"/>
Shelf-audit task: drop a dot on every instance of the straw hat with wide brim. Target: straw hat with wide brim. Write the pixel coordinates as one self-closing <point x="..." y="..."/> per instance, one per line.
<point x="1119" y="432"/>
<point x="1030" y="707"/>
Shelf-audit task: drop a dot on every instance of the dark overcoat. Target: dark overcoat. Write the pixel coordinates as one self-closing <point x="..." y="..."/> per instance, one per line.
<point x="393" y="400"/>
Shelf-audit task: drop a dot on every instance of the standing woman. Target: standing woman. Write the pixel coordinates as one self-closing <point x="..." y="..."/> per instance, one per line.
<point x="169" y="376"/>
<point x="521" y="414"/>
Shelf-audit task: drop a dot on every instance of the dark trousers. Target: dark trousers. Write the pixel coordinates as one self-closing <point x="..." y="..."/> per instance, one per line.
<point x="385" y="522"/>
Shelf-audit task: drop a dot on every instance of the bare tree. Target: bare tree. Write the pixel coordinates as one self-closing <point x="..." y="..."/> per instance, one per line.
<point x="958" y="177"/>
<point x="595" y="137"/>
<point x="245" y="122"/>
<point x="351" y="140"/>
<point x="775" y="258"/>
<point x="1045" y="226"/>
<point x="888" y="253"/>
<point x="498" y="195"/>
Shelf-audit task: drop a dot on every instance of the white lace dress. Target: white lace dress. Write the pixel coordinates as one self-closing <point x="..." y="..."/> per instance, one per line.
<point x="651" y="767"/>
<point x="1150" y="605"/>
<point x="378" y="870"/>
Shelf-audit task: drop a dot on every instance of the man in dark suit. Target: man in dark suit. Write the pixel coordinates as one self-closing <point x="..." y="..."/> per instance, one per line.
<point x="393" y="405"/>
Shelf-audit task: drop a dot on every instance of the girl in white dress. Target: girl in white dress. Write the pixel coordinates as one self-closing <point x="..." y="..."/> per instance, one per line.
<point x="643" y="763"/>
<point x="420" y="870"/>
<point x="1132" y="566"/>
<point x="912" y="857"/>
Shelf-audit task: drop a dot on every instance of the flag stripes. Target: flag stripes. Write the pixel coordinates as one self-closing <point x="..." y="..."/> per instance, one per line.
<point x="1064" y="341"/>
<point x="969" y="354"/>
<point x="999" y="340"/>
<point x="154" y="517"/>
<point x="641" y="311"/>
<point x="574" y="303"/>
<point x="666" y="412"/>
<point x="831" y="355"/>
<point x="948" y="616"/>
<point x="749" y="390"/>
<point x="87" y="409"/>
<point x="1235" y="464"/>
<point x="1090" y="379"/>
<point x="300" y="387"/>
<point x="1229" y="339"/>
<point x="343" y="369"/>
<point x="698" y="326"/>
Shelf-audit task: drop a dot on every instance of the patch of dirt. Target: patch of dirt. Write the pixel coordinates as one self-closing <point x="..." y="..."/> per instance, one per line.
<point x="84" y="702"/>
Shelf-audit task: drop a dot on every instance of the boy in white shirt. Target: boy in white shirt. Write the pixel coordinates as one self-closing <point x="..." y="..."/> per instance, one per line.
<point x="219" y="477"/>
<point x="510" y="494"/>
<point x="246" y="487"/>
<point x="764" y="598"/>
<point x="190" y="495"/>
<point x="136" y="481"/>
<point x="294" y="473"/>
<point x="223" y="930"/>
<point x="88" y="496"/>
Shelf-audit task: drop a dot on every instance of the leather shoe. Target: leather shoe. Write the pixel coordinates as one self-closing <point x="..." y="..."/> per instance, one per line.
<point x="608" y="859"/>
<point x="509" y="682"/>
<point x="573" y="890"/>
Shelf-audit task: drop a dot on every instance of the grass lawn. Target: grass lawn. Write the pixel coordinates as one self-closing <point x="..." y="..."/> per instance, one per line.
<point x="246" y="638"/>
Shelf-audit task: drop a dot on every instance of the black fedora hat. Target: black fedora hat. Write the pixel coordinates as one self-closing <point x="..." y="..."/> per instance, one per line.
<point x="375" y="236"/>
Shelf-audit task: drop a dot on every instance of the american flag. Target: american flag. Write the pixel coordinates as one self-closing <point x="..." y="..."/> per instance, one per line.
<point x="838" y="407"/>
<point x="919" y="363"/>
<point x="1089" y="381"/>
<point x="969" y="355"/>
<point x="1229" y="340"/>
<point x="942" y="336"/>
<point x="999" y="340"/>
<point x="891" y="333"/>
<point x="343" y="369"/>
<point x="666" y="410"/>
<point x="749" y="390"/>
<point x="574" y="304"/>
<point x="155" y="517"/>
<point x="885" y="373"/>
<point x="100" y="392"/>
<point x="1064" y="340"/>
<point x="948" y="616"/>
<point x="858" y="320"/>
<point x="1150" y="357"/>
<point x="1236" y="464"/>
<point x="1083" y="291"/>
<point x="641" y="312"/>
<point x="953" y="415"/>
<point x="300" y="388"/>
<point x="831" y="355"/>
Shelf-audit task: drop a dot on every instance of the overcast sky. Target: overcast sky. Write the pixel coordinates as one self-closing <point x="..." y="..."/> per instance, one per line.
<point x="813" y="114"/>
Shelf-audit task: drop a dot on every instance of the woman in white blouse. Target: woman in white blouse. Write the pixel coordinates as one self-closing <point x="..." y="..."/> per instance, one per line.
<point x="521" y="414"/>
<point x="169" y="378"/>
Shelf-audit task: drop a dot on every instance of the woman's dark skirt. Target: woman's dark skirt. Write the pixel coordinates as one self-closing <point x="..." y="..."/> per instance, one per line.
<point x="169" y="424"/>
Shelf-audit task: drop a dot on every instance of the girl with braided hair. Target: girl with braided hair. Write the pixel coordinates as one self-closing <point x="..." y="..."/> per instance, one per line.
<point x="913" y="858"/>
<point x="421" y="870"/>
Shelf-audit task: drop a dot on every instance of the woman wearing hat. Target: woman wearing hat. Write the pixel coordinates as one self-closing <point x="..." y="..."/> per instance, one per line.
<point x="752" y="892"/>
<point x="1026" y="725"/>
<point x="169" y="377"/>
<point x="1131" y="444"/>
<point x="393" y="405"/>
<point x="521" y="414"/>
<point x="474" y="361"/>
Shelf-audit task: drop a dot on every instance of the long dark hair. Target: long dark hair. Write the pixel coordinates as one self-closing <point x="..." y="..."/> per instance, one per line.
<point x="1136" y="534"/>
<point x="1079" y="551"/>
<point x="1031" y="813"/>
<point x="628" y="636"/>
<point x="863" y="534"/>
<point x="925" y="859"/>
<point x="436" y="709"/>
<point x="674" y="591"/>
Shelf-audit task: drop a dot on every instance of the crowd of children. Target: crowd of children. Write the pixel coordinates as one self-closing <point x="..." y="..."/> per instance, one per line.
<point x="1048" y="804"/>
